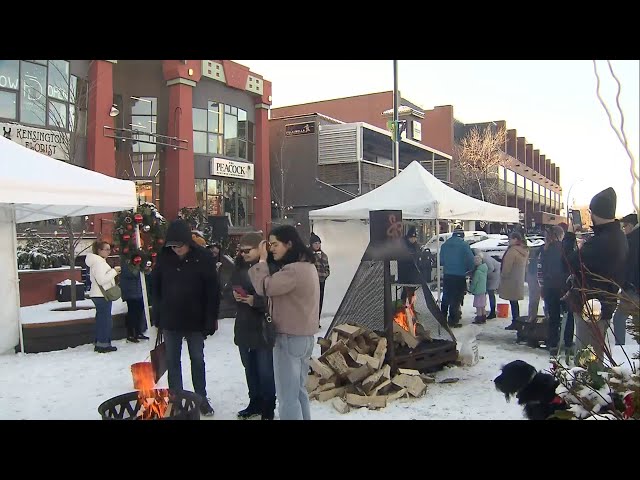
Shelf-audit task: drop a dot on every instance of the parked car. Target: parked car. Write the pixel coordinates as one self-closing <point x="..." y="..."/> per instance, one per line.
<point x="470" y="236"/>
<point x="497" y="246"/>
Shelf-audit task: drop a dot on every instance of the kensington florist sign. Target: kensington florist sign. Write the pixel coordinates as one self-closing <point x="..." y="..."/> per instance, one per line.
<point x="227" y="168"/>
<point x="48" y="142"/>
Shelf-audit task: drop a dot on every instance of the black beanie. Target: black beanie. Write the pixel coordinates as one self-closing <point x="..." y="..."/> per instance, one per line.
<point x="178" y="232"/>
<point x="314" y="238"/>
<point x="631" y="219"/>
<point x="604" y="204"/>
<point x="411" y="232"/>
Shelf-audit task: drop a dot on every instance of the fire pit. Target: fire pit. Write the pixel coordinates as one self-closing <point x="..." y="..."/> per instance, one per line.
<point x="156" y="404"/>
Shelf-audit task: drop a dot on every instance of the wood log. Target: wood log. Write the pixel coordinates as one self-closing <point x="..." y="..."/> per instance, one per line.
<point x="337" y="362"/>
<point x="371" y="381"/>
<point x="339" y="346"/>
<point x="375" y="391"/>
<point x="322" y="388"/>
<point x="167" y="412"/>
<point x="329" y="394"/>
<point x="386" y="372"/>
<point x="364" y="401"/>
<point x="349" y="331"/>
<point x="373" y="362"/>
<point x="320" y="368"/>
<point x="361" y="345"/>
<point x="381" y="350"/>
<point x="414" y="385"/>
<point x="399" y="394"/>
<point x="411" y="341"/>
<point x="324" y="343"/>
<point x="313" y="381"/>
<point x="360" y="373"/>
<point x="334" y="337"/>
<point x="427" y="378"/>
<point x="408" y="371"/>
<point x="340" y="405"/>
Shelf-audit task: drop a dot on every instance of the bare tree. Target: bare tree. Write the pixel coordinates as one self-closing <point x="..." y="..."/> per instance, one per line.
<point x="281" y="167"/>
<point x="478" y="155"/>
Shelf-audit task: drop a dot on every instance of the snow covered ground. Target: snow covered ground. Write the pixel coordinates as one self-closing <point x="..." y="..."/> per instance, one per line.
<point x="70" y="384"/>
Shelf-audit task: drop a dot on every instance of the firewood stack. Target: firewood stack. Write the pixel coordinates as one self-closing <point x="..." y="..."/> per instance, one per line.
<point x="351" y="372"/>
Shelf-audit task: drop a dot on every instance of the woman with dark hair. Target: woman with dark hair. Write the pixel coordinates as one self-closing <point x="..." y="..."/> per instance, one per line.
<point x="102" y="278"/>
<point x="294" y="294"/>
<point x="512" y="273"/>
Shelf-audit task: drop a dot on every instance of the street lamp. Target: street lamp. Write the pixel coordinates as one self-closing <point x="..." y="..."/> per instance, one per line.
<point x="569" y="196"/>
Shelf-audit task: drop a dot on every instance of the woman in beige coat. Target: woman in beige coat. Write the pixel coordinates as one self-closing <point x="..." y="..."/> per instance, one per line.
<point x="512" y="272"/>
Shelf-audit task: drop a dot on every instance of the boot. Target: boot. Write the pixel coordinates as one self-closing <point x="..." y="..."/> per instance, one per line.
<point x="268" y="409"/>
<point x="480" y="320"/>
<point x="491" y="315"/>
<point x="254" y="408"/>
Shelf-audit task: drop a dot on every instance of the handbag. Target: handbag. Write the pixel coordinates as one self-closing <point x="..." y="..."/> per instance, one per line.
<point x="268" y="329"/>
<point x="159" y="357"/>
<point x="111" y="294"/>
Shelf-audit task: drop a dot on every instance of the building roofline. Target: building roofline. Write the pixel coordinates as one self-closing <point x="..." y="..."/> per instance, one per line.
<point x="333" y="99"/>
<point x="326" y="117"/>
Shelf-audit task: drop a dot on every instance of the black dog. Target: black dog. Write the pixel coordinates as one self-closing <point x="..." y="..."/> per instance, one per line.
<point x="536" y="391"/>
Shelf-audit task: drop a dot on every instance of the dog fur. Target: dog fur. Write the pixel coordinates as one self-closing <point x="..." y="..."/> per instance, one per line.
<point x="535" y="391"/>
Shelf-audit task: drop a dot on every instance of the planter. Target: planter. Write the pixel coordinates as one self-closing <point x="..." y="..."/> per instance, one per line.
<point x="63" y="292"/>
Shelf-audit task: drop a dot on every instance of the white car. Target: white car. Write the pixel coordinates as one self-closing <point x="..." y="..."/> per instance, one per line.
<point x="497" y="246"/>
<point x="471" y="237"/>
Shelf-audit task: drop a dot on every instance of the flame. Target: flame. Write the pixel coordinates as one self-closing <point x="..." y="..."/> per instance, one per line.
<point x="406" y="313"/>
<point x="153" y="402"/>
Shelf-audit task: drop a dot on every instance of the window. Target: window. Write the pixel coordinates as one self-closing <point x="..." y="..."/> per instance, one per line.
<point x="223" y="130"/>
<point x="511" y="176"/>
<point x="40" y="93"/>
<point x="144" y="121"/>
<point x="226" y="197"/>
<point x="529" y="188"/>
<point x="501" y="172"/>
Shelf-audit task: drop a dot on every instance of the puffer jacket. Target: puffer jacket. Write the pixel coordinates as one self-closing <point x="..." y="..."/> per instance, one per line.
<point x="493" y="273"/>
<point x="478" y="284"/>
<point x="131" y="285"/>
<point x="99" y="273"/>
<point x="456" y="257"/>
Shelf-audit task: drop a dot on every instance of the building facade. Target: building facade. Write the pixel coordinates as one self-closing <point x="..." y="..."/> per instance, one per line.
<point x="187" y="132"/>
<point x="527" y="179"/>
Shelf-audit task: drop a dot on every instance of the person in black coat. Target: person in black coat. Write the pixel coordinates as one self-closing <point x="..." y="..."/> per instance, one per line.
<point x="630" y="295"/>
<point x="131" y="287"/>
<point x="186" y="300"/>
<point x="407" y="267"/>
<point x="597" y="269"/>
<point x="255" y="353"/>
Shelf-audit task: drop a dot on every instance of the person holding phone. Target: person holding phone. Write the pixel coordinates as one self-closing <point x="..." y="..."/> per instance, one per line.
<point x="255" y="354"/>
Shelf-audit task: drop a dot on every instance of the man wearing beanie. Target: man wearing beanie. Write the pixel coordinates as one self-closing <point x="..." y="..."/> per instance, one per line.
<point x="630" y="295"/>
<point x="322" y="265"/>
<point x="186" y="299"/>
<point x="601" y="257"/>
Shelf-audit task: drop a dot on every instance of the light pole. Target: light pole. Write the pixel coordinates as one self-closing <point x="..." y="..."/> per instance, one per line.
<point x="396" y="133"/>
<point x="569" y="196"/>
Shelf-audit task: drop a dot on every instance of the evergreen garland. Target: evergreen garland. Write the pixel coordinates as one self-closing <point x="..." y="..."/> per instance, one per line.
<point x="153" y="228"/>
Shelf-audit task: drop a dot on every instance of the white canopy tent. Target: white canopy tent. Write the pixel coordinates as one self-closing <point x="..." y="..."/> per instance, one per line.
<point x="35" y="187"/>
<point x="344" y="230"/>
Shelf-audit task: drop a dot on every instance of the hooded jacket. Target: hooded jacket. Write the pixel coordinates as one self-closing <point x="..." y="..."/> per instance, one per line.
<point x="456" y="257"/>
<point x="99" y="273"/>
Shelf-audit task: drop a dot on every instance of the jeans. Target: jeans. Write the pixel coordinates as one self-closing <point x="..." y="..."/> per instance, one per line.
<point x="627" y="307"/>
<point x="291" y="366"/>
<point x="453" y="289"/>
<point x="258" y="368"/>
<point x="492" y="301"/>
<point x="104" y="322"/>
<point x="555" y="306"/>
<point x="195" y="343"/>
<point x="136" y="323"/>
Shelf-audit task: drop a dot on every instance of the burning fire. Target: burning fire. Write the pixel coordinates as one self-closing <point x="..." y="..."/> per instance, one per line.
<point x="153" y="402"/>
<point x="406" y="316"/>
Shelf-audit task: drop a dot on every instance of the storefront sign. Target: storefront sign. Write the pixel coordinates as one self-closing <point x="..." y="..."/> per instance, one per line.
<point x="299" y="128"/>
<point x="47" y="142"/>
<point x="417" y="131"/>
<point x="228" y="168"/>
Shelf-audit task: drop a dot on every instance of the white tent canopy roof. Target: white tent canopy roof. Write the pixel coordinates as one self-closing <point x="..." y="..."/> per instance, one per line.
<point x="41" y="188"/>
<point x="419" y="195"/>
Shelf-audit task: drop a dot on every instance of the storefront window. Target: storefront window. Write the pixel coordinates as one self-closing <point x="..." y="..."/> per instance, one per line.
<point x="33" y="98"/>
<point x="207" y="126"/>
<point x="226" y="197"/>
<point x="228" y="132"/>
<point x="144" y="121"/>
<point x="8" y="105"/>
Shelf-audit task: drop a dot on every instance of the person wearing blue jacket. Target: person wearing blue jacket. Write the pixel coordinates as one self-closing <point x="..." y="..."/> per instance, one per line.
<point x="457" y="259"/>
<point x="131" y="287"/>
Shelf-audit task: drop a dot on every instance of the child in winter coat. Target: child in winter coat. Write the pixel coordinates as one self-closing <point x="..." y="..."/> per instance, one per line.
<point x="478" y="287"/>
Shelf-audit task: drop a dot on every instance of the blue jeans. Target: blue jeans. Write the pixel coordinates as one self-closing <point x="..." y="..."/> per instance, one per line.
<point x="291" y="366"/>
<point x="195" y="343"/>
<point x="627" y="307"/>
<point x="258" y="368"/>
<point x="104" y="322"/>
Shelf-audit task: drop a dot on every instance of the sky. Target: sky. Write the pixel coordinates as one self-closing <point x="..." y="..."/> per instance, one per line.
<point x="77" y="380"/>
<point x="552" y="103"/>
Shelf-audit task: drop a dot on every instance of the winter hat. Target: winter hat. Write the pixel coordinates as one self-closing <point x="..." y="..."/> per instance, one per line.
<point x="564" y="226"/>
<point x="603" y="204"/>
<point x="314" y="238"/>
<point x="458" y="233"/>
<point x="178" y="232"/>
<point x="411" y="232"/>
<point x="631" y="219"/>
<point x="251" y="240"/>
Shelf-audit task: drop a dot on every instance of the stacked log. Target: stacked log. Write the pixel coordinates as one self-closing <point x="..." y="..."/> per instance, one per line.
<point x="352" y="372"/>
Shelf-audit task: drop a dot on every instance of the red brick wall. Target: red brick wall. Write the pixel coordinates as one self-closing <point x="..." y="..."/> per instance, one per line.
<point x="437" y="128"/>
<point x="39" y="286"/>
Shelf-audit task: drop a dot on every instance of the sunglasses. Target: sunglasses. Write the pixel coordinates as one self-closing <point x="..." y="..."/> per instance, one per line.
<point x="245" y="251"/>
<point x="180" y="245"/>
